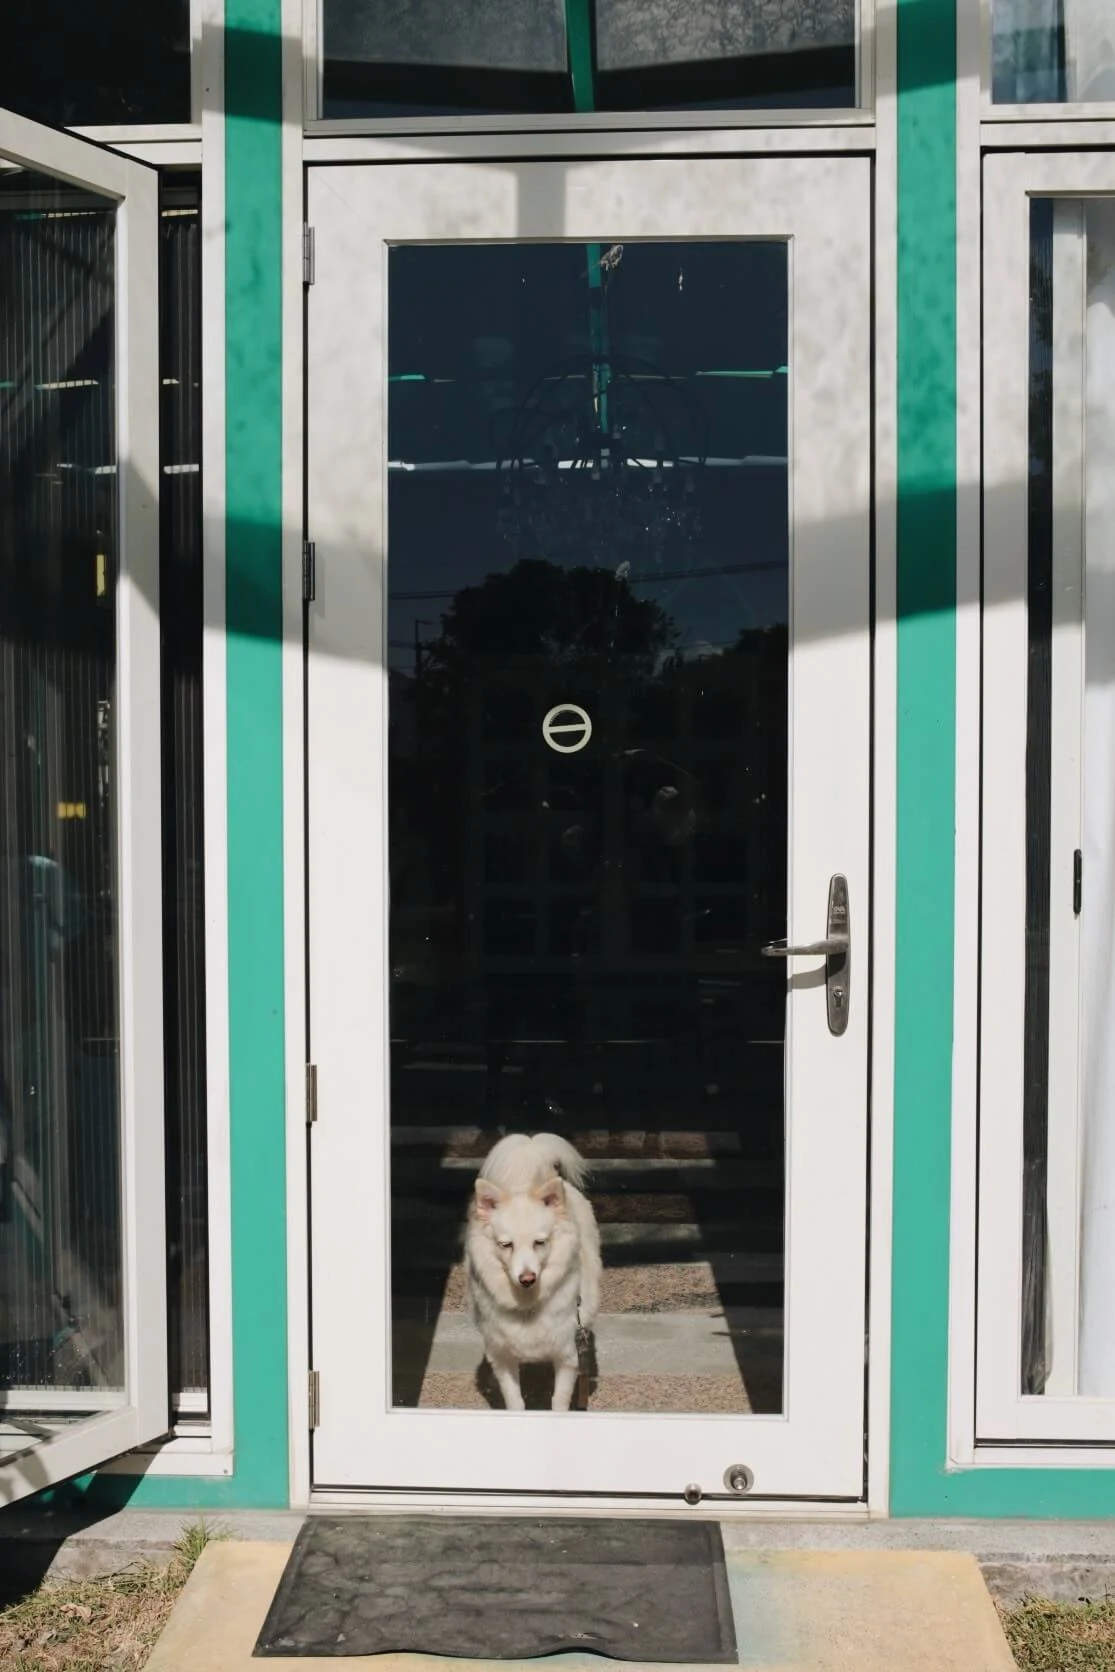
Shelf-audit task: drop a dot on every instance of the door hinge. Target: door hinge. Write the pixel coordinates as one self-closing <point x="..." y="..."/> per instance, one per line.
<point x="309" y="571"/>
<point x="307" y="255"/>
<point x="311" y="1093"/>
<point x="313" y="1389"/>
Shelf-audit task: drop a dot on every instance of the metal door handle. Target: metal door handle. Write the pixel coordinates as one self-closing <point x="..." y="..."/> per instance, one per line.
<point x="835" y="949"/>
<point x="816" y="949"/>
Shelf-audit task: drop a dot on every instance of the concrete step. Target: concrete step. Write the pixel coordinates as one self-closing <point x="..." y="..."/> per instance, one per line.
<point x="638" y="1344"/>
<point x="594" y="1143"/>
<point x="708" y="1360"/>
<point x="430" y="1169"/>
<point x="681" y="1285"/>
<point x="688" y="1277"/>
<point x="794" y="1610"/>
<point x="636" y="1244"/>
<point x="746" y="1208"/>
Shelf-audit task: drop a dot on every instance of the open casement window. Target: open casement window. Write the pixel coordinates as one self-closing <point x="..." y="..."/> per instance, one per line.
<point x="1046" y="1348"/>
<point x="83" y="1348"/>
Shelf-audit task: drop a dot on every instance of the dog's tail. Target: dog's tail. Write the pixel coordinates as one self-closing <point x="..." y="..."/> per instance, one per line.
<point x="519" y="1163"/>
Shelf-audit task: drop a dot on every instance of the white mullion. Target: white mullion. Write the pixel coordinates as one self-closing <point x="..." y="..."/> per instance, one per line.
<point x="1059" y="130"/>
<point x="323" y="143"/>
<point x="966" y="847"/>
<point x="296" y="90"/>
<point x="884" y="788"/>
<point x="214" y="733"/>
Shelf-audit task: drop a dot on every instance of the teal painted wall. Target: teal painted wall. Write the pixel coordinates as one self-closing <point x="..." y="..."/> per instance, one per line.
<point x="926" y="729"/>
<point x="253" y="462"/>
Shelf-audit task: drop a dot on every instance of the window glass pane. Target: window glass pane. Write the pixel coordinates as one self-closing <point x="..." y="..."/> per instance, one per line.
<point x="419" y="57"/>
<point x="78" y="63"/>
<point x="588" y="592"/>
<point x="1053" y="52"/>
<point x="384" y="57"/>
<point x="1039" y="589"/>
<point x="62" y="1334"/>
<point x="656" y="54"/>
<point x="1069" y="1109"/>
<point x="180" y="592"/>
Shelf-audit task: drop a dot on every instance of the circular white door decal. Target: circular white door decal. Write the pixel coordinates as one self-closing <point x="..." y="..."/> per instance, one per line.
<point x="567" y="728"/>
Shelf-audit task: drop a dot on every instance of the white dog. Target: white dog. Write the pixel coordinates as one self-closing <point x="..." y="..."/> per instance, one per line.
<point x="533" y="1253"/>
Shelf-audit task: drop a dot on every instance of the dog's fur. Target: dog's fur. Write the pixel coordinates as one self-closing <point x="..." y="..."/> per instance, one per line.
<point x="533" y="1253"/>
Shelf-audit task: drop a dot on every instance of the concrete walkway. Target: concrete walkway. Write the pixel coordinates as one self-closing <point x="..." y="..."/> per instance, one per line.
<point x="1060" y="1559"/>
<point x="795" y="1611"/>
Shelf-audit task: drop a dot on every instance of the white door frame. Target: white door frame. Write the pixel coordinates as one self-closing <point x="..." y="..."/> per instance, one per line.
<point x="814" y="203"/>
<point x="1003" y="1413"/>
<point x="140" y="1411"/>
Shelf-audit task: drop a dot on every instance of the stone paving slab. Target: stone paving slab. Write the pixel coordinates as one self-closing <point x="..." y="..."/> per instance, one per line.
<point x="795" y="1611"/>
<point x="694" y="1343"/>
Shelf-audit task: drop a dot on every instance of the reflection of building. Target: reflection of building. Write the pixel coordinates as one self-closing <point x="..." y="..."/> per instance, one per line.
<point x="621" y="893"/>
<point x="576" y="946"/>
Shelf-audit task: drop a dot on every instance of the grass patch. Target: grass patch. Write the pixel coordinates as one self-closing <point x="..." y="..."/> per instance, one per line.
<point x="1061" y="1636"/>
<point x="98" y="1625"/>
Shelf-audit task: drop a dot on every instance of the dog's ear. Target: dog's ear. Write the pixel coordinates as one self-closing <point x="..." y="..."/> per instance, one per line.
<point x="488" y="1198"/>
<point x="551" y="1194"/>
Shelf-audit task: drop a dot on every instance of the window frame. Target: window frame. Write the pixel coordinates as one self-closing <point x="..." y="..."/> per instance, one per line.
<point x="200" y="1445"/>
<point x="858" y="115"/>
<point x="206" y="26"/>
<point x="1003" y="1415"/>
<point x="140" y="1412"/>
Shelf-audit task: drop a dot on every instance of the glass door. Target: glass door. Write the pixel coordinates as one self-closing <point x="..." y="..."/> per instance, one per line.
<point x="588" y="760"/>
<point x="82" y="1249"/>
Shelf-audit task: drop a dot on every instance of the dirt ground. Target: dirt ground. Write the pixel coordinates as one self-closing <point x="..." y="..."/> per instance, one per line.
<point x="1062" y="1636"/>
<point x="97" y="1625"/>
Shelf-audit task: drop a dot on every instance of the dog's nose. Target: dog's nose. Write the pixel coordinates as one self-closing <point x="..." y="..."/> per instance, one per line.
<point x="527" y="1279"/>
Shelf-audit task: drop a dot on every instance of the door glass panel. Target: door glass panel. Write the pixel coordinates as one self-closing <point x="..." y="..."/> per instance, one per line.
<point x="484" y="56"/>
<point x="1068" y="1255"/>
<point x="61" y="1225"/>
<point x="589" y="511"/>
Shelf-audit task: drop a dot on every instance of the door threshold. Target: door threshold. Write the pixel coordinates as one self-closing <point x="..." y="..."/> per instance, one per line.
<point x="716" y="1508"/>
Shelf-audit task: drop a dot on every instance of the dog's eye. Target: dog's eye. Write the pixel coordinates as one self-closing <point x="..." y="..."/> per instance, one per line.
<point x="540" y="1242"/>
<point x="504" y="1242"/>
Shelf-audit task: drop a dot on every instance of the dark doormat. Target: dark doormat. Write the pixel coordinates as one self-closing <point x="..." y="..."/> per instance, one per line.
<point x="503" y="1589"/>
